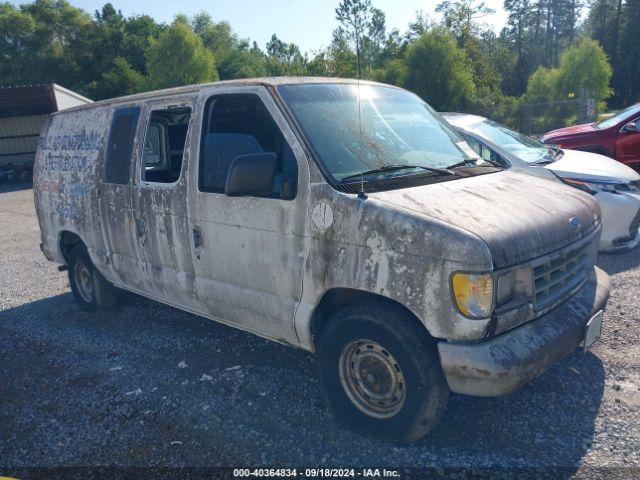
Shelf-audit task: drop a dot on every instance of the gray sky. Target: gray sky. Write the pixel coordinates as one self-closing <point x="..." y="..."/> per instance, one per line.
<point x="307" y="23"/>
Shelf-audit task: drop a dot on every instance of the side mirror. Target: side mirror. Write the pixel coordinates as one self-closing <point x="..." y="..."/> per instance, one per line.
<point x="630" y="127"/>
<point x="251" y="174"/>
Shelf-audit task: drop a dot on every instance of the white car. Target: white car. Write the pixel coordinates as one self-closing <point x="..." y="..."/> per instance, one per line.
<point x="615" y="186"/>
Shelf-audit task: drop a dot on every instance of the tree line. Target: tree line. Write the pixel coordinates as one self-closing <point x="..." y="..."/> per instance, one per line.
<point x="545" y="52"/>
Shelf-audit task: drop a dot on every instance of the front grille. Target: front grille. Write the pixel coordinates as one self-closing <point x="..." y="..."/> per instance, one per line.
<point x="558" y="275"/>
<point x="629" y="187"/>
<point x="634" y="186"/>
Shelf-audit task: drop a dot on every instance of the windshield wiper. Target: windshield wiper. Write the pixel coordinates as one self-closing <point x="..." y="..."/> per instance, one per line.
<point x="557" y="153"/>
<point x="554" y="155"/>
<point x="464" y="163"/>
<point x="396" y="167"/>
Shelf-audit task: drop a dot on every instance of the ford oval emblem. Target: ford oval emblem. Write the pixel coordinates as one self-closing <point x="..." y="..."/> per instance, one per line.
<point x="574" y="222"/>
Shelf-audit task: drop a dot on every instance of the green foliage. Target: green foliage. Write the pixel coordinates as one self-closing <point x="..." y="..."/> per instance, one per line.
<point x="615" y="24"/>
<point x="542" y="54"/>
<point x="543" y="85"/>
<point x="121" y="79"/>
<point x="235" y="58"/>
<point x="179" y="57"/>
<point x="627" y="76"/>
<point x="439" y="71"/>
<point x="284" y="58"/>
<point x="461" y="17"/>
<point x="583" y="67"/>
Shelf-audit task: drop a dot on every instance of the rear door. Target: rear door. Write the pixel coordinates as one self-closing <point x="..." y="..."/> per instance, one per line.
<point x="159" y="204"/>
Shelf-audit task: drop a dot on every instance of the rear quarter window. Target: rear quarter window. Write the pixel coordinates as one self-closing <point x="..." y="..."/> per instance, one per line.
<point x="117" y="165"/>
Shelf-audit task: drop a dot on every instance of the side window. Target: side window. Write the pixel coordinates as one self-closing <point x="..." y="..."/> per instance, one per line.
<point x="117" y="161"/>
<point x="236" y="125"/>
<point x="474" y="144"/>
<point x="482" y="150"/>
<point x="164" y="144"/>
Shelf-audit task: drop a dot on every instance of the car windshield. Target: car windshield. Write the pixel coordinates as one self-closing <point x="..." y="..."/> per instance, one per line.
<point x="525" y="148"/>
<point x="389" y="133"/>
<point x="619" y="117"/>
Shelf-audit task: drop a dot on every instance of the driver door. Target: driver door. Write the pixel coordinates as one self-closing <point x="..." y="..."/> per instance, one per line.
<point x="628" y="146"/>
<point x="248" y="251"/>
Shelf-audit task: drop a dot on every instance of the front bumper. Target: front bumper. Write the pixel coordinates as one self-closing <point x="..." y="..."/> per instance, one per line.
<point x="506" y="362"/>
<point x="620" y="214"/>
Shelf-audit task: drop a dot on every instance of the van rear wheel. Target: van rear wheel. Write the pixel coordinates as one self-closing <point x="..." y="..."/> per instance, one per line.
<point x="381" y="373"/>
<point x="90" y="289"/>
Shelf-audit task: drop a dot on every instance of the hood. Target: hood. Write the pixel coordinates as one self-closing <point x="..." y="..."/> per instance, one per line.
<point x="592" y="166"/>
<point x="518" y="216"/>
<point x="568" y="131"/>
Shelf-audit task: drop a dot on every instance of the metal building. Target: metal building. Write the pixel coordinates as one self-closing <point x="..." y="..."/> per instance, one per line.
<point x="22" y="113"/>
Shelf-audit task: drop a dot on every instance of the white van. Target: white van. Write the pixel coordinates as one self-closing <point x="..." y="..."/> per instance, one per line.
<point x="341" y="217"/>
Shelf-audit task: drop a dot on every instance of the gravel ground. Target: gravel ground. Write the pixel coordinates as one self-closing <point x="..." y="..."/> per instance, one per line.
<point x="146" y="385"/>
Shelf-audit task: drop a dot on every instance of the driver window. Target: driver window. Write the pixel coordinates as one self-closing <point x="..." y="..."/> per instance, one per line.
<point x="164" y="145"/>
<point x="240" y="124"/>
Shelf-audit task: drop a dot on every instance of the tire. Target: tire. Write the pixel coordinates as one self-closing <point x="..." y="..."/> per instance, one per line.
<point x="90" y="289"/>
<point x="360" y="349"/>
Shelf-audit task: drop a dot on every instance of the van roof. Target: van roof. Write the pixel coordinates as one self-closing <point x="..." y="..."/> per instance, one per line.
<point x="264" y="81"/>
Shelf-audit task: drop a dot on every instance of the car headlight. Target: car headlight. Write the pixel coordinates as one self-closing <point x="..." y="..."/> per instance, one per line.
<point x="473" y="294"/>
<point x="476" y="295"/>
<point x="506" y="287"/>
<point x="514" y="286"/>
<point x="592" y="187"/>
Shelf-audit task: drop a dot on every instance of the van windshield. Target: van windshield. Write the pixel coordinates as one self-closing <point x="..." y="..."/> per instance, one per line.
<point x="389" y="133"/>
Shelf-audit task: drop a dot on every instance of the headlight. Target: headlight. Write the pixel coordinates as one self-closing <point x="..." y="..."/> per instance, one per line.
<point x="514" y="285"/>
<point x="506" y="287"/>
<point x="592" y="187"/>
<point x="473" y="294"/>
<point x="476" y="295"/>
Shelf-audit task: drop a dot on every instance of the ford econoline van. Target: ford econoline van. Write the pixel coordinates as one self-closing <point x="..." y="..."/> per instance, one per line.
<point x="342" y="217"/>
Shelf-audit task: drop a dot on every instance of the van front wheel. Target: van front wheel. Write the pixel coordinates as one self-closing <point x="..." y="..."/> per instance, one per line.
<point x="381" y="373"/>
<point x="90" y="289"/>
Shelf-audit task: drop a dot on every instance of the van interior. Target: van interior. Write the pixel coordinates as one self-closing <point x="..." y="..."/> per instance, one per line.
<point x="240" y="124"/>
<point x="164" y="144"/>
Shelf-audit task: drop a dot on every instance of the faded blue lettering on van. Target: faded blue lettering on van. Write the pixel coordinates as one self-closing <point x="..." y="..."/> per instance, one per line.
<point x="65" y="162"/>
<point x="91" y="141"/>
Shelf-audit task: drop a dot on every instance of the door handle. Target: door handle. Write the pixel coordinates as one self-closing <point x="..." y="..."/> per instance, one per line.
<point x="197" y="237"/>
<point x="141" y="227"/>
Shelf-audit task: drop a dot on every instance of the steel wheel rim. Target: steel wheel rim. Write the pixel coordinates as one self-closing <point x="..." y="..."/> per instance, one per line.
<point x="372" y="378"/>
<point x="83" y="281"/>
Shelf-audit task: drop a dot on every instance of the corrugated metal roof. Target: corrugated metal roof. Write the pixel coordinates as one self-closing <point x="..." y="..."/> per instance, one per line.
<point x="30" y="100"/>
<point x="66" y="98"/>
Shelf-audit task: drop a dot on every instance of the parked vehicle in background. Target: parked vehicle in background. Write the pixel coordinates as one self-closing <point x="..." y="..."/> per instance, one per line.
<point x="615" y="186"/>
<point x="616" y="137"/>
<point x="338" y="216"/>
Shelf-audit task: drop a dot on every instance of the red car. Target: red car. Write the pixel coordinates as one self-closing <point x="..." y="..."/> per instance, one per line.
<point x="617" y="137"/>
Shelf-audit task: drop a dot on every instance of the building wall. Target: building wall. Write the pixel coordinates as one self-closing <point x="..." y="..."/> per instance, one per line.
<point x="18" y="139"/>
